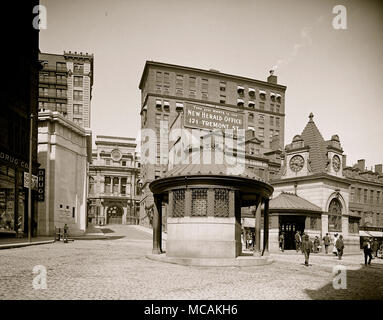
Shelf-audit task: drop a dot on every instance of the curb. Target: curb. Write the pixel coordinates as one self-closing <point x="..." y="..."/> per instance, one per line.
<point x="149" y="230"/>
<point x="24" y="244"/>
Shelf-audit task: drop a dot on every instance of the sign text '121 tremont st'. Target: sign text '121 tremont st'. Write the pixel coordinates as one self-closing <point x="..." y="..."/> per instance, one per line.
<point x="203" y="117"/>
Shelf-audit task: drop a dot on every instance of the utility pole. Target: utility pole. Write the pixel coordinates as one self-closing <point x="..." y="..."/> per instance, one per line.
<point x="30" y="182"/>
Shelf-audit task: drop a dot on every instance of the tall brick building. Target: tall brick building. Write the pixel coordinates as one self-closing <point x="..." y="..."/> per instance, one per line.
<point x="366" y="197"/>
<point x="166" y="89"/>
<point x="18" y="102"/>
<point x="65" y="85"/>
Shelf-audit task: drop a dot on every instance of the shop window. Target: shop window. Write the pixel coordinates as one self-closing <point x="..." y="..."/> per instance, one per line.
<point x="7" y="200"/>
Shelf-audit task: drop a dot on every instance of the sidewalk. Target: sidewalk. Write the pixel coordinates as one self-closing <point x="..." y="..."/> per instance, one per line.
<point x="149" y="230"/>
<point x="91" y="233"/>
<point x="7" y="243"/>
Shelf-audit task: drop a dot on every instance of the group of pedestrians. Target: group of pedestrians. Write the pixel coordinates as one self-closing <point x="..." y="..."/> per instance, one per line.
<point x="370" y="250"/>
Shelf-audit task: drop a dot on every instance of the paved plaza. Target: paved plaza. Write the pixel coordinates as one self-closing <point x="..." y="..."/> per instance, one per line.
<point x="116" y="268"/>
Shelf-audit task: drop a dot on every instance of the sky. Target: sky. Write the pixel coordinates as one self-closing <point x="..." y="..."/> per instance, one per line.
<point x="334" y="73"/>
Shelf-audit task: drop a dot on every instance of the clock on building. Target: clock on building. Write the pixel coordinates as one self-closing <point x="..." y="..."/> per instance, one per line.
<point x="116" y="155"/>
<point x="296" y="163"/>
<point x="336" y="163"/>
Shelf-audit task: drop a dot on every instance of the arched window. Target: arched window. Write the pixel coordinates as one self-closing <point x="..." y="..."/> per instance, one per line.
<point x="335" y="216"/>
<point x="91" y="185"/>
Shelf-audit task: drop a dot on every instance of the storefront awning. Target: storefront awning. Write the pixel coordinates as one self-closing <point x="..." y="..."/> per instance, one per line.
<point x="262" y="92"/>
<point x="251" y="90"/>
<point x="375" y="234"/>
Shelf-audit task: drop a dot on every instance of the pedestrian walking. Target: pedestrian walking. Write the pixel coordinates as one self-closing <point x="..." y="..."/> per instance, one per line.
<point x="375" y="247"/>
<point x="297" y="241"/>
<point x="66" y="233"/>
<point x="316" y="244"/>
<point x="306" y="247"/>
<point x="367" y="251"/>
<point x="326" y="242"/>
<point x="334" y="251"/>
<point x="282" y="241"/>
<point x="339" y="247"/>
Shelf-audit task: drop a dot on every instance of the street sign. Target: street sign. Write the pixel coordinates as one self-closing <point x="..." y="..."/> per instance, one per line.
<point x="41" y="185"/>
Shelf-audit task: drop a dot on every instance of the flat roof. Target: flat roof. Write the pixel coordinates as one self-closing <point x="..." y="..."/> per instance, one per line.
<point x="210" y="72"/>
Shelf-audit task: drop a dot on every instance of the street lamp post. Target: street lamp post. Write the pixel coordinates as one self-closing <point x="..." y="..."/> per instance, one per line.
<point x="30" y="182"/>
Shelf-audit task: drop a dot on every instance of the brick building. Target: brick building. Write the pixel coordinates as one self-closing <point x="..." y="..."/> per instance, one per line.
<point x="18" y="100"/>
<point x="65" y="85"/>
<point x="113" y="182"/>
<point x="166" y="89"/>
<point x="366" y="198"/>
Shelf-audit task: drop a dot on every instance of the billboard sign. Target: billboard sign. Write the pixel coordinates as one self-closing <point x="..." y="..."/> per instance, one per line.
<point x="208" y="118"/>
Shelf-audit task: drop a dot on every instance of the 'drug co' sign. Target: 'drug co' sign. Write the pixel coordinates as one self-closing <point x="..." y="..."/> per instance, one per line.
<point x="203" y="117"/>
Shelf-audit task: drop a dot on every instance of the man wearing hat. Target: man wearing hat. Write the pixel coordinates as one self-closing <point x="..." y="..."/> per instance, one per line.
<point x="367" y="251"/>
<point x="306" y="247"/>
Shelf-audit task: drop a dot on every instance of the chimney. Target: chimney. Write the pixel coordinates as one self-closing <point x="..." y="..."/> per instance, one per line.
<point x="362" y="164"/>
<point x="344" y="161"/>
<point x="379" y="168"/>
<point x="271" y="78"/>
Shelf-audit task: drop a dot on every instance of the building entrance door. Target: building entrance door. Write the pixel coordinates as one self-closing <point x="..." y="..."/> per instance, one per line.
<point x="114" y="215"/>
<point x="290" y="225"/>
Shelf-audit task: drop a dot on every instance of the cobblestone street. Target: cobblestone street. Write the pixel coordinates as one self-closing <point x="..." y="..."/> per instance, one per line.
<point x="116" y="268"/>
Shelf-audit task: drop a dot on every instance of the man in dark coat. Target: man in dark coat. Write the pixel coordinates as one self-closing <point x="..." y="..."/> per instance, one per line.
<point x="297" y="241"/>
<point x="375" y="247"/>
<point x="282" y="241"/>
<point x="306" y="247"/>
<point x="367" y="251"/>
<point x="326" y="242"/>
<point x="339" y="247"/>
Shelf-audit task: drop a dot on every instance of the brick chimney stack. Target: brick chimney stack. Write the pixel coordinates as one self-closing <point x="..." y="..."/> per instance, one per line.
<point x="379" y="168"/>
<point x="362" y="164"/>
<point x="272" y="78"/>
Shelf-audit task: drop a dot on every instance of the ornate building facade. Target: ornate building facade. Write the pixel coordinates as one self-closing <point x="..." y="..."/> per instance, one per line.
<point x="166" y="89"/>
<point x="114" y="182"/>
<point x="315" y="192"/>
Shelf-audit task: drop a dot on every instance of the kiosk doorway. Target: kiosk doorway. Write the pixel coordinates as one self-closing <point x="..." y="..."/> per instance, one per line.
<point x="290" y="225"/>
